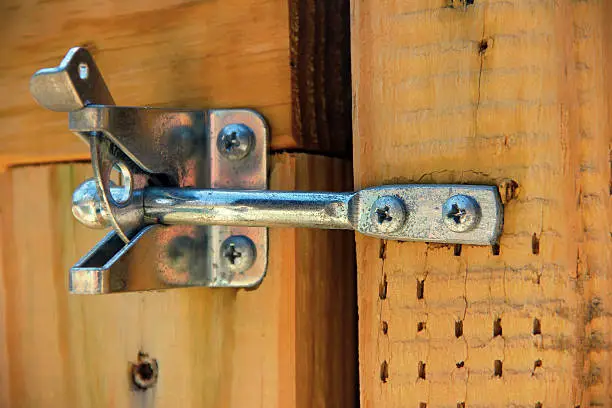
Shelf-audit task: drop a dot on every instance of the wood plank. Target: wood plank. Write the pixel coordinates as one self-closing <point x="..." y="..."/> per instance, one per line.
<point x="172" y="53"/>
<point x="289" y="343"/>
<point x="320" y="75"/>
<point x="481" y="92"/>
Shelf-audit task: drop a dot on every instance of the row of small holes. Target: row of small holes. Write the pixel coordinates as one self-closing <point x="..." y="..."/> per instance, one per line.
<point x="497" y="367"/>
<point x="497" y="327"/>
<point x="497" y="331"/>
<point x="462" y="405"/>
<point x="495" y="249"/>
<point x="382" y="295"/>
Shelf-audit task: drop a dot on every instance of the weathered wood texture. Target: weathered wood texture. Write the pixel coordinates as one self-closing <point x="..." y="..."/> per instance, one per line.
<point x="172" y="53"/>
<point x="478" y="92"/>
<point x="320" y="73"/>
<point x="290" y="343"/>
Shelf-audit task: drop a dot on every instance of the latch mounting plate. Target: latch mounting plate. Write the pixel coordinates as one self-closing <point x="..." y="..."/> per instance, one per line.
<point x="192" y="151"/>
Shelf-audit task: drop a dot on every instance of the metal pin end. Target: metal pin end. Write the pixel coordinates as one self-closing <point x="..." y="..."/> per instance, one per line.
<point x="87" y="207"/>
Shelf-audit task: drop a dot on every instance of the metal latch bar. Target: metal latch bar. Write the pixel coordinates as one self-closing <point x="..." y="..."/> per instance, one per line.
<point x="434" y="213"/>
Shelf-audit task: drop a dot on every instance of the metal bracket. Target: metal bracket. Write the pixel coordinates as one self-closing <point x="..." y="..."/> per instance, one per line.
<point x="155" y="147"/>
<point x="189" y="205"/>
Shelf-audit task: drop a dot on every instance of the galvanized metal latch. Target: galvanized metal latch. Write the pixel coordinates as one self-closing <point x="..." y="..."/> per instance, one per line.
<point x="185" y="193"/>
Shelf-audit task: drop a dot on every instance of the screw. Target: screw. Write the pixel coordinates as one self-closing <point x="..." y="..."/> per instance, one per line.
<point x="144" y="372"/>
<point x="238" y="253"/>
<point x="388" y="214"/>
<point x="461" y="213"/>
<point x="235" y="141"/>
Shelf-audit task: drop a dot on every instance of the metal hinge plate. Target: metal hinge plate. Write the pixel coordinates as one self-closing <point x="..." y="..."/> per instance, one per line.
<point x="159" y="257"/>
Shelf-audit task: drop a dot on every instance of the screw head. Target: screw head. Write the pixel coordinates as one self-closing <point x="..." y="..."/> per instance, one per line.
<point x="461" y="213"/>
<point x="238" y="253"/>
<point x="388" y="214"/>
<point x="235" y="141"/>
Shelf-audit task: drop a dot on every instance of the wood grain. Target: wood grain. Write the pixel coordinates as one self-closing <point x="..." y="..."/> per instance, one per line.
<point x="481" y="92"/>
<point x="321" y="75"/>
<point x="176" y="53"/>
<point x="289" y="343"/>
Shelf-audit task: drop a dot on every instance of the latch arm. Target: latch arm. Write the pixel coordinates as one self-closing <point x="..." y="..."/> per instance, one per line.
<point x="434" y="213"/>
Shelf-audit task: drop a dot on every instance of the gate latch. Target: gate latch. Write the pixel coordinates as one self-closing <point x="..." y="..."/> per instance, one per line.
<point x="185" y="193"/>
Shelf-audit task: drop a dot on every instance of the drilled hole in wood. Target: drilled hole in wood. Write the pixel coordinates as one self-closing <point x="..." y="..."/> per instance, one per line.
<point x="508" y="190"/>
<point x="497" y="368"/>
<point x="458" y="328"/>
<point x="537" y="364"/>
<point x="382" y="289"/>
<point x="457" y="4"/>
<point x="420" y="326"/>
<point x="537" y="326"/>
<point x="460" y="364"/>
<point x="495" y="249"/>
<point x="384" y="371"/>
<point x="483" y="46"/>
<point x="385" y="327"/>
<point x="144" y="372"/>
<point x="457" y="250"/>
<point x="610" y="182"/>
<point x="423" y="405"/>
<point x="420" y="289"/>
<point x="421" y="370"/>
<point x="461" y="405"/>
<point x="535" y="244"/>
<point x="497" y="327"/>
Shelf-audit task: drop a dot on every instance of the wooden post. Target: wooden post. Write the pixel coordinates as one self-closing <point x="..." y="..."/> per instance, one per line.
<point x="514" y="93"/>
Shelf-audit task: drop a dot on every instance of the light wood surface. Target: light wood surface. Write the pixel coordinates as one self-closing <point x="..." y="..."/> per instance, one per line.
<point x="289" y="343"/>
<point x="173" y="53"/>
<point x="480" y="92"/>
